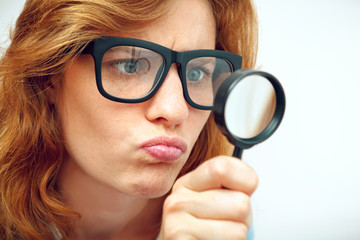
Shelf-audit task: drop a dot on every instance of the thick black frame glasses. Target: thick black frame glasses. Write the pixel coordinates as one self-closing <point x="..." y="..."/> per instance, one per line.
<point x="131" y="70"/>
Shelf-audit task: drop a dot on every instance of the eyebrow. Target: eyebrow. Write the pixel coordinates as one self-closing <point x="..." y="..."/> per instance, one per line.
<point x="132" y="50"/>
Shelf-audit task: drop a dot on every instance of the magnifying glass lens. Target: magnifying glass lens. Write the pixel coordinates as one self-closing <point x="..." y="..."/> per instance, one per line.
<point x="250" y="106"/>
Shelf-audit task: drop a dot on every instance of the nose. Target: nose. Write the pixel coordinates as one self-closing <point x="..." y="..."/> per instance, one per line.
<point x="168" y="106"/>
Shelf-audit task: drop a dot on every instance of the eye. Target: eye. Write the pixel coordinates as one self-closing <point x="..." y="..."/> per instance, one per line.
<point x="126" y="66"/>
<point x="195" y="74"/>
<point x="130" y="66"/>
<point x="140" y="66"/>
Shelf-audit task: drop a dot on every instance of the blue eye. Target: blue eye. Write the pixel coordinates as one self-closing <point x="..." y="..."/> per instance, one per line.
<point x="194" y="74"/>
<point x="131" y="66"/>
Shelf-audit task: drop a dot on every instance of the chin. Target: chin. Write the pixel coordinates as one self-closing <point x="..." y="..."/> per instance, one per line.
<point x="149" y="181"/>
<point x="153" y="187"/>
<point x="150" y="191"/>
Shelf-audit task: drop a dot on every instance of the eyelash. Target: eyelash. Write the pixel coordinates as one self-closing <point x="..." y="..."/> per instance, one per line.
<point x="206" y="71"/>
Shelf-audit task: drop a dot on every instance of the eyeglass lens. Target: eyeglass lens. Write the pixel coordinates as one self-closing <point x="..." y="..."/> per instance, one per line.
<point x="130" y="72"/>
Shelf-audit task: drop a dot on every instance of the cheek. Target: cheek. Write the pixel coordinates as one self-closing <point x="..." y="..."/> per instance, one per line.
<point x="87" y="118"/>
<point x="197" y="121"/>
<point x="77" y="97"/>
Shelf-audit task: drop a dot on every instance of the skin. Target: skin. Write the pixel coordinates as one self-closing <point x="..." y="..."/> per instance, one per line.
<point x="117" y="187"/>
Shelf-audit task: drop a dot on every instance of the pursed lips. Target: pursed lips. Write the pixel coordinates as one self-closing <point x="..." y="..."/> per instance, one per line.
<point x="164" y="148"/>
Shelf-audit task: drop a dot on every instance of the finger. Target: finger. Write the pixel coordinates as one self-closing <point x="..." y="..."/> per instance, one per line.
<point x="222" y="205"/>
<point x="201" y="229"/>
<point x="219" y="204"/>
<point x="214" y="229"/>
<point x="220" y="172"/>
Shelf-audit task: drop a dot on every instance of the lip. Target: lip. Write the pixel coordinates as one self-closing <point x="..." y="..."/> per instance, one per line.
<point x="164" y="148"/>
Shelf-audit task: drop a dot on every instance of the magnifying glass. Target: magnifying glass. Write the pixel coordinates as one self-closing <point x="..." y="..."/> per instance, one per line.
<point x="248" y="108"/>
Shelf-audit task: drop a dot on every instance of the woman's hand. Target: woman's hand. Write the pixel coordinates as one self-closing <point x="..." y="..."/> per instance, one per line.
<point x="211" y="202"/>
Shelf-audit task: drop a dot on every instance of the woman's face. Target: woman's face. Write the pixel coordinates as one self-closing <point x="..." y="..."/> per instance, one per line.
<point x="136" y="149"/>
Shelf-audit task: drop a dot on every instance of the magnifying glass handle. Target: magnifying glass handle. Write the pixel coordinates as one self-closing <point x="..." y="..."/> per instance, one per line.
<point x="237" y="152"/>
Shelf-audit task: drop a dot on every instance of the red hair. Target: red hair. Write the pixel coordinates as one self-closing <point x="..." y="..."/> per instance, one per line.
<point x="47" y="36"/>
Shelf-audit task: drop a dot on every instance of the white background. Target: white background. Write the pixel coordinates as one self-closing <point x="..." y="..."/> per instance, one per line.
<point x="310" y="168"/>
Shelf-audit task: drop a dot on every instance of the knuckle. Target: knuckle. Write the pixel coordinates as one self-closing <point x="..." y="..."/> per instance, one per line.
<point x="174" y="203"/>
<point x="255" y="177"/>
<point x="179" y="184"/>
<point x="243" y="208"/>
<point x="176" y="228"/>
<point x="252" y="179"/>
<point x="175" y="232"/>
<point x="253" y="182"/>
<point x="217" y="168"/>
<point x="240" y="232"/>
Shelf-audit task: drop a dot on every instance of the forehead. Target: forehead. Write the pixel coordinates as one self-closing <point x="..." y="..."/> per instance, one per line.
<point x="188" y="25"/>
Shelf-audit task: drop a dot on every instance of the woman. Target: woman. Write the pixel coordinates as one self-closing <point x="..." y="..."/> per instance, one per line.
<point x="105" y="127"/>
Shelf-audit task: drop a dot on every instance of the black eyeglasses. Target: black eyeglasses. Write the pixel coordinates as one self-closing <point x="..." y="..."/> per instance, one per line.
<point x="131" y="70"/>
